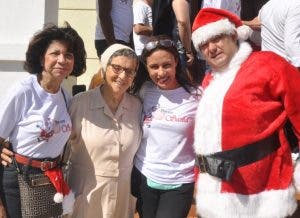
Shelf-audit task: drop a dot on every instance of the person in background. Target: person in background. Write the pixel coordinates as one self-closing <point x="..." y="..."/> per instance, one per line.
<point x="234" y="6"/>
<point x="34" y="116"/>
<point x="106" y="135"/>
<point x="172" y="18"/>
<point x="280" y="29"/>
<point x="243" y="154"/>
<point x="250" y="8"/>
<point x="195" y="6"/>
<point x="254" y="24"/>
<point x="142" y="24"/>
<point x="163" y="176"/>
<point x="249" y="17"/>
<point x="111" y="27"/>
<point x="114" y="23"/>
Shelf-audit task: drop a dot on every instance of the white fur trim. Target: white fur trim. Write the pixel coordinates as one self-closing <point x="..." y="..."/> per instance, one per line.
<point x="68" y="203"/>
<point x="210" y="30"/>
<point x="58" y="197"/>
<point x="244" y="32"/>
<point x="242" y="54"/>
<point x="297" y="176"/>
<point x="224" y="26"/>
<point x="208" y="132"/>
<point x="267" y="204"/>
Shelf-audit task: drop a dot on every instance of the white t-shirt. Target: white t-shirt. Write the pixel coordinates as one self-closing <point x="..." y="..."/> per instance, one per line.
<point x="166" y="152"/>
<point x="280" y="29"/>
<point x="142" y="14"/>
<point x="122" y="18"/>
<point x="233" y="6"/>
<point x="36" y="122"/>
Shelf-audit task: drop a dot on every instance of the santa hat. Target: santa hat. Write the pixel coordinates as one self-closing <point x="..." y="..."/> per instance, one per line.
<point x="64" y="195"/>
<point x="211" y="22"/>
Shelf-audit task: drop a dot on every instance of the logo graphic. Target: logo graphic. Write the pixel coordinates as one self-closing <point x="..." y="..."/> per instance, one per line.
<point x="158" y="113"/>
<point x="51" y="127"/>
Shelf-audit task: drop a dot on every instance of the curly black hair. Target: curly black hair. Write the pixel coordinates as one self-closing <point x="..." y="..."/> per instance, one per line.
<point x="41" y="41"/>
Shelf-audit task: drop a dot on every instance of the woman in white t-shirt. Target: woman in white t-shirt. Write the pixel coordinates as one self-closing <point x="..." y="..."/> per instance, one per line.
<point x="163" y="177"/>
<point x="34" y="116"/>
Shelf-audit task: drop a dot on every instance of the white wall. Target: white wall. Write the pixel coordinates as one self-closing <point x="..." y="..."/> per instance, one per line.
<point x="81" y="15"/>
<point x="19" y="20"/>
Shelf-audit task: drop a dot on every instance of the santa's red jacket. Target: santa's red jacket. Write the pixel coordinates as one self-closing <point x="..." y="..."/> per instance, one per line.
<point x="245" y="103"/>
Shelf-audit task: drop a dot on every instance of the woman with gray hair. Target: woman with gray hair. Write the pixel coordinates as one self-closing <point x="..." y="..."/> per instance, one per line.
<point x="106" y="134"/>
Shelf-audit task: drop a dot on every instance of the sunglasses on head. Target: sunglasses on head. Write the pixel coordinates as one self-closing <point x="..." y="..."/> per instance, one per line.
<point x="162" y="42"/>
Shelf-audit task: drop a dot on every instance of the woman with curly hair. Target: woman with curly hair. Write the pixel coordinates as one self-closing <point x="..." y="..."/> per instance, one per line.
<point x="34" y="116"/>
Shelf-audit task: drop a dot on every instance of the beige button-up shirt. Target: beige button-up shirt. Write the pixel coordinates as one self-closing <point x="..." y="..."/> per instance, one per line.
<point x="103" y="146"/>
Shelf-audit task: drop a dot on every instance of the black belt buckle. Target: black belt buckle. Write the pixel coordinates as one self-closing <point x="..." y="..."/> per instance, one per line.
<point x="225" y="169"/>
<point x="203" y="166"/>
<point x="217" y="167"/>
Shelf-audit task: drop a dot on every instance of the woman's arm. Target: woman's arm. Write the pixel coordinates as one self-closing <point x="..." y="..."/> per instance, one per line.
<point x="2" y="143"/>
<point x="182" y="12"/>
<point x="106" y="23"/>
<point x="2" y="210"/>
<point x="254" y="24"/>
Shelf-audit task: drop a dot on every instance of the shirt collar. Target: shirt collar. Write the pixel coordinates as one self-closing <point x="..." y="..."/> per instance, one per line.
<point x="99" y="102"/>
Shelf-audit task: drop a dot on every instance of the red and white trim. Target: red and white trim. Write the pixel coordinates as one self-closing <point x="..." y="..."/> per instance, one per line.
<point x="208" y="130"/>
<point x="206" y="32"/>
<point x="223" y="26"/>
<point x="213" y="199"/>
<point x="266" y="204"/>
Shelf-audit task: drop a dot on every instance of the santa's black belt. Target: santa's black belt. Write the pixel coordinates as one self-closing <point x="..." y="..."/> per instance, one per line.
<point x="222" y="164"/>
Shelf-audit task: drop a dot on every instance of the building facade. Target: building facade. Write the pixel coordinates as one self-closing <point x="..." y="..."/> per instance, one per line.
<point x="20" y="19"/>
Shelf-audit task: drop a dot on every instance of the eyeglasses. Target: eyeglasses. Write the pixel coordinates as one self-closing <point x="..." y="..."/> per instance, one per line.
<point x="119" y="69"/>
<point x="163" y="42"/>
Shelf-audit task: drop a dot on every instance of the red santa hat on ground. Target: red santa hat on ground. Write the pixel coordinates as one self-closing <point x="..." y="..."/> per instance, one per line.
<point x="211" y="22"/>
<point x="64" y="195"/>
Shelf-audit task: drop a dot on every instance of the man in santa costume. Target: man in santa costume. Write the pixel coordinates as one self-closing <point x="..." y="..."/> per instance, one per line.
<point x="244" y="157"/>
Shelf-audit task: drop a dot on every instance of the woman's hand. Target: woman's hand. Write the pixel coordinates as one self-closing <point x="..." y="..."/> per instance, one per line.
<point x="254" y="24"/>
<point x="190" y="58"/>
<point x="2" y="211"/>
<point x="6" y="154"/>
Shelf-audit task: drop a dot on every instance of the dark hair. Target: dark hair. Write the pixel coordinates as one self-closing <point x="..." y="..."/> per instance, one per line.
<point x="143" y="75"/>
<point x="41" y="41"/>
